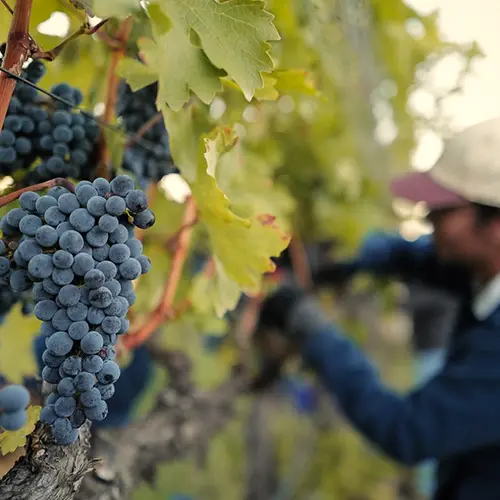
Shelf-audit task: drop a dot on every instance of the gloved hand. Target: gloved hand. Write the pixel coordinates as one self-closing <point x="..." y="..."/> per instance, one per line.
<point x="288" y="317"/>
<point x="335" y="273"/>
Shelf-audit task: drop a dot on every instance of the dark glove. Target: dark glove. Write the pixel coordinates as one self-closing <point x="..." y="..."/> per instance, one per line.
<point x="277" y="307"/>
<point x="335" y="274"/>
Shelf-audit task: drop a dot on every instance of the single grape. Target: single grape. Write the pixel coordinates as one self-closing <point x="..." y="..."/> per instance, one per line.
<point x="48" y="415"/>
<point x="100" y="298"/>
<point x="66" y="388"/>
<point x="71" y="241"/>
<point x="15" y="420"/>
<point x="92" y="343"/>
<point x="97" y="413"/>
<point x="82" y="220"/>
<point x="109" y="373"/>
<point x="130" y="269"/>
<point x="96" y="206"/>
<point x="119" y="253"/>
<point x="62" y="259"/>
<point x="92" y="364"/>
<point x="115" y="206"/>
<point x="84" y="381"/>
<point x="69" y="295"/>
<point x="59" y="344"/>
<point x="108" y="223"/>
<point x="46" y="236"/>
<point x="78" y="312"/>
<point x="108" y="269"/>
<point x="68" y="203"/>
<point x="90" y="398"/>
<point x="29" y="224"/>
<point x="144" y="220"/>
<point x="102" y="186"/>
<point x="14" y="398"/>
<point x="83" y="263"/>
<point x="78" y="330"/>
<point x="136" y="201"/>
<point x="44" y="203"/>
<point x="72" y="365"/>
<point x="121" y="185"/>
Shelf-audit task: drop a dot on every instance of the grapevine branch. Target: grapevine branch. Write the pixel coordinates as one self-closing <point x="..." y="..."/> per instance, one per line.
<point x="165" y="307"/>
<point x="19" y="47"/>
<point x="300" y="263"/>
<point x="104" y="169"/>
<point x="58" y="181"/>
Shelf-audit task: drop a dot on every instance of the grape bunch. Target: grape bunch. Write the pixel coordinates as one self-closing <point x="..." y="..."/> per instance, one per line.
<point x="43" y="138"/>
<point x="149" y="160"/>
<point x="13" y="402"/>
<point x="78" y="254"/>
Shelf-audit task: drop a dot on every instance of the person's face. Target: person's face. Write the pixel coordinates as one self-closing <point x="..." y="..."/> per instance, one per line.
<point x="460" y="238"/>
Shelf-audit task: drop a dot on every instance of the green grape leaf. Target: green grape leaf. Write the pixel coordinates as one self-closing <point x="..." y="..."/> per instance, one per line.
<point x="16" y="335"/>
<point x="115" y="8"/>
<point x="10" y="441"/>
<point x="180" y="66"/>
<point x="234" y="34"/>
<point x="138" y="75"/>
<point x="214" y="290"/>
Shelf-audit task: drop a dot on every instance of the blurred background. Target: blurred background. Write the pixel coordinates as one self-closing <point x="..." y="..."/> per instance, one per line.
<point x="386" y="81"/>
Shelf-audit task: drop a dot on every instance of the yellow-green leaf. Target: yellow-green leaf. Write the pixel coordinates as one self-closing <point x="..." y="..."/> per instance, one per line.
<point x="16" y="336"/>
<point x="12" y="440"/>
<point x="234" y="35"/>
<point x="214" y="291"/>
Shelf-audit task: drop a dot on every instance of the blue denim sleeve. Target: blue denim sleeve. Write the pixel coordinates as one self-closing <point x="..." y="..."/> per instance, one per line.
<point x="384" y="254"/>
<point x="456" y="411"/>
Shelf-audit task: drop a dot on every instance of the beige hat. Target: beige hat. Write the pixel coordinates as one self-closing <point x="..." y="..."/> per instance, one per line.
<point x="467" y="170"/>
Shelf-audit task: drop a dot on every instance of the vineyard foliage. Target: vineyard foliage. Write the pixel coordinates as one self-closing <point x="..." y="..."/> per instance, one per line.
<point x="273" y="111"/>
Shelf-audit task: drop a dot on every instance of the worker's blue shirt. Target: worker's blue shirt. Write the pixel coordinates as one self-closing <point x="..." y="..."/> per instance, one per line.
<point x="455" y="416"/>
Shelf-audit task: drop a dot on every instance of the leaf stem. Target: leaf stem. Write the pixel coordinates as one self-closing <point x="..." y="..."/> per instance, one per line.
<point x="58" y="181"/>
<point x="300" y="263"/>
<point x="165" y="309"/>
<point x="19" y="47"/>
<point x="7" y="6"/>
<point x="123" y="34"/>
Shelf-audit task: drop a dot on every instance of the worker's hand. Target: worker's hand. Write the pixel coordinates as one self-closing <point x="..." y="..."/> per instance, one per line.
<point x="335" y="274"/>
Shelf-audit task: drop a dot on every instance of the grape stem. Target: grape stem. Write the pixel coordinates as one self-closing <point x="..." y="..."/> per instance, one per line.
<point x="58" y="181"/>
<point x="140" y="133"/>
<point x="85" y="29"/>
<point x="105" y="167"/>
<point x="165" y="309"/>
<point x="19" y="48"/>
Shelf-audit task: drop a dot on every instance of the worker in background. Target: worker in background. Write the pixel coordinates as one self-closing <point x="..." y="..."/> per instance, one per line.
<point x="454" y="417"/>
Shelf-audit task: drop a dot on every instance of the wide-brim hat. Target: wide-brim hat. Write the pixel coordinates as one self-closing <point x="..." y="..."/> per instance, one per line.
<point x="468" y="170"/>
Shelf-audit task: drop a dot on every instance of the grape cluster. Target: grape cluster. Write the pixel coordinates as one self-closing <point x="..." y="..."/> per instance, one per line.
<point x="78" y="254"/>
<point x="13" y="402"/>
<point x="135" y="109"/>
<point x="44" y="138"/>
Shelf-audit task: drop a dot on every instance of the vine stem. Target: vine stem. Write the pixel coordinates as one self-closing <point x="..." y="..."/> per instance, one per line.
<point x="7" y="6"/>
<point x="140" y="133"/>
<point x="58" y="181"/>
<point x="165" y="309"/>
<point x="122" y="37"/>
<point x="18" y="50"/>
<point x="300" y="263"/>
